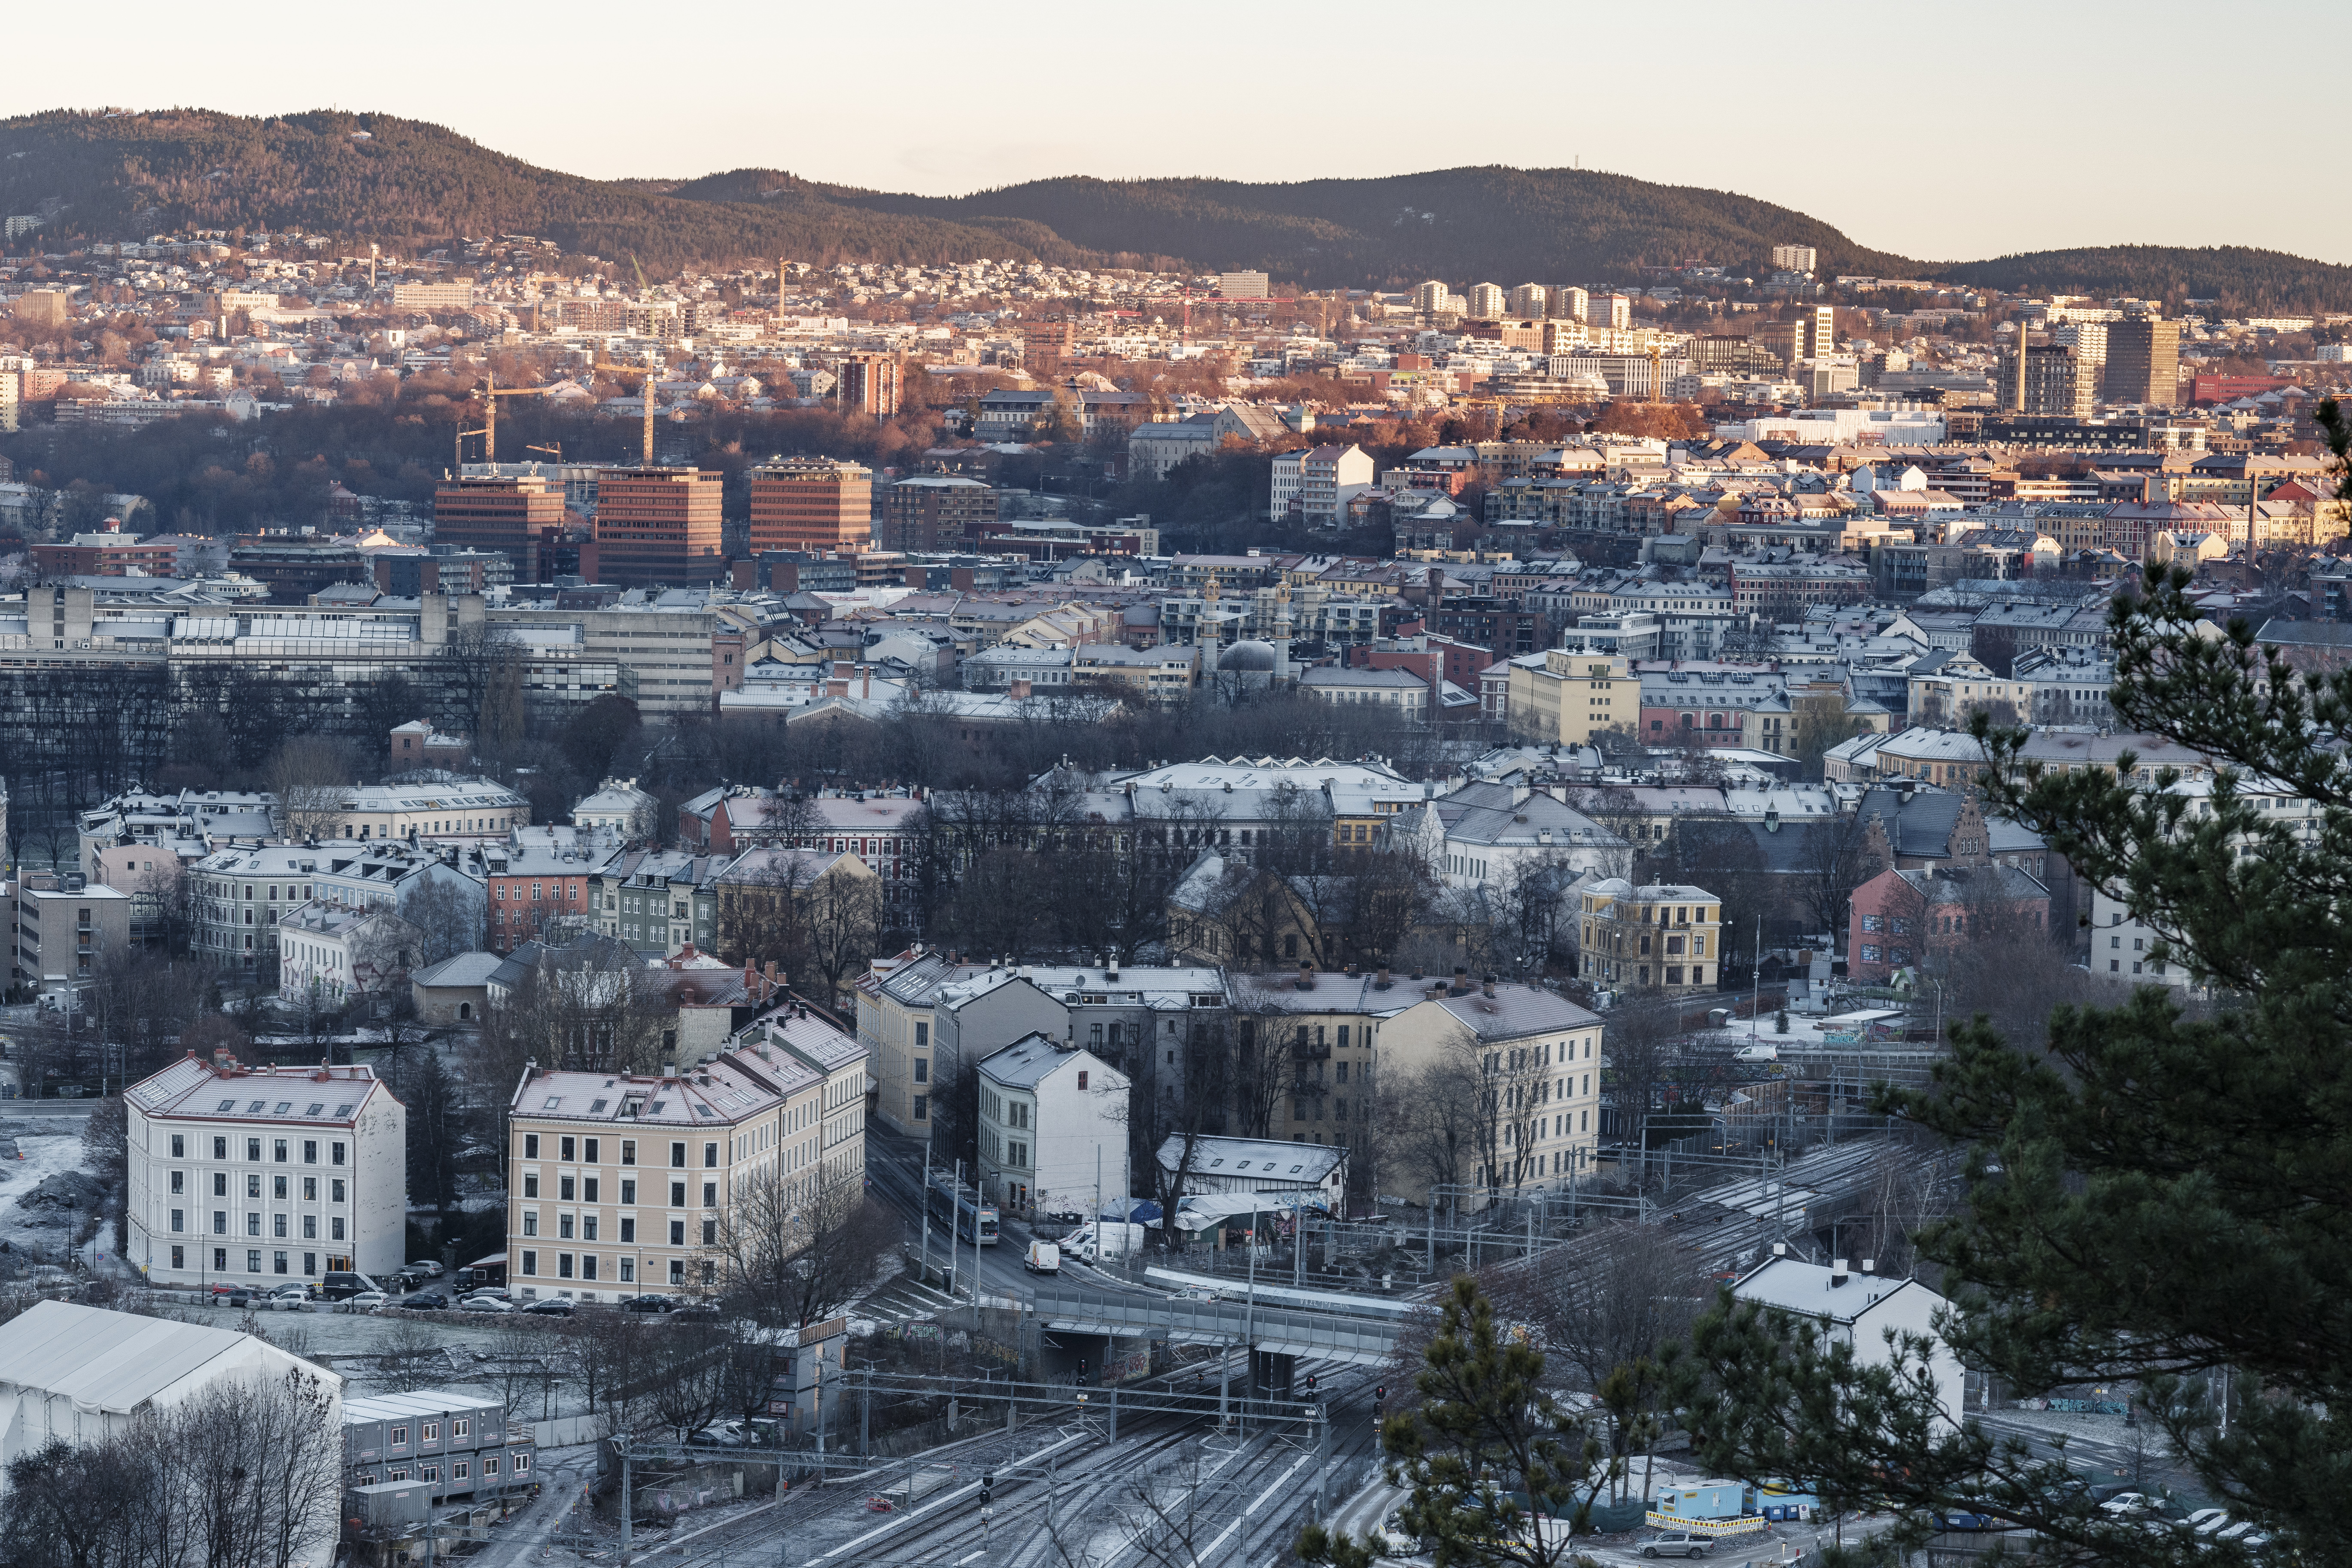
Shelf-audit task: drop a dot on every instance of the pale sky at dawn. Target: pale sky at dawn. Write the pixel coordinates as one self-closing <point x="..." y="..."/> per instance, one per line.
<point x="1940" y="133"/>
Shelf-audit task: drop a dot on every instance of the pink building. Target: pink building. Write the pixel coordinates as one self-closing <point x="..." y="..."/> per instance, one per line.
<point x="1901" y="919"/>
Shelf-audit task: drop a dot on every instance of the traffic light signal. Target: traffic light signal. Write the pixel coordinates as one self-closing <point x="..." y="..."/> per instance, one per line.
<point x="1380" y="1393"/>
<point x="1082" y="1371"/>
<point x="1310" y="1383"/>
<point x="987" y="1484"/>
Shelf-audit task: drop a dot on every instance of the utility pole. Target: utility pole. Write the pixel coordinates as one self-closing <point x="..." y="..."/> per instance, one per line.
<point x="955" y="1217"/>
<point x="923" y="1267"/>
<point x="865" y="1412"/>
<point x="628" y="1498"/>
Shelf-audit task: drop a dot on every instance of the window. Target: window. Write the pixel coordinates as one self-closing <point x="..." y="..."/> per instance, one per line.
<point x="678" y="1194"/>
<point x="179" y="1254"/>
<point x="336" y="1189"/>
<point x="179" y="1146"/>
<point x="629" y="1192"/>
<point x="710" y="1232"/>
<point x="460" y="1426"/>
<point x="628" y="1152"/>
<point x="588" y="1189"/>
<point x="310" y="1151"/>
<point x="628" y="1231"/>
<point x="678" y="1233"/>
<point x="253" y="1225"/>
<point x="336" y="1150"/>
<point x="530" y="1145"/>
<point x="277" y="1151"/>
<point x="253" y="1145"/>
<point x="253" y="1260"/>
<point x="709" y="1156"/>
<point x="278" y="1188"/>
<point x="563" y="1265"/>
<point x="458" y="1469"/>
<point x="179" y="1217"/>
<point x="1082" y="1081"/>
<point x="588" y="1148"/>
<point x="530" y="1261"/>
<point x="530" y="1223"/>
<point x="400" y="1438"/>
<point x="220" y="1183"/>
<point x="310" y="1189"/>
<point x="220" y="1260"/>
<point x="563" y="1188"/>
<point x="530" y="1185"/>
<point x="220" y="1148"/>
<point x="567" y="1146"/>
<point x="220" y="1225"/>
<point x="678" y="1156"/>
<point x="711" y="1195"/>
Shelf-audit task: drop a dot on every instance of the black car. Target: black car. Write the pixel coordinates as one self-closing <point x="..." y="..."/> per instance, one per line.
<point x="702" y="1310"/>
<point x="554" y="1307"/>
<point x="427" y="1302"/>
<point x="646" y="1304"/>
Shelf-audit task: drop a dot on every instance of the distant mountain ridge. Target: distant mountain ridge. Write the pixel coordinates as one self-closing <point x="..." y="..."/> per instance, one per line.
<point x="375" y="176"/>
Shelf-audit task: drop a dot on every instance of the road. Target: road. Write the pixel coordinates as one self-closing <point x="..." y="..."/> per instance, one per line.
<point x="895" y="1165"/>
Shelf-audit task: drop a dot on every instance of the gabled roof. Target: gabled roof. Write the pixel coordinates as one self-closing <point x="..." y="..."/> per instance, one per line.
<point x="110" y="1362"/>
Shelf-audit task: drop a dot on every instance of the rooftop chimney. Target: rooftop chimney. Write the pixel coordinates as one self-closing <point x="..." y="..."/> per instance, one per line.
<point x="1837" y="1272"/>
<point x="1487" y="985"/>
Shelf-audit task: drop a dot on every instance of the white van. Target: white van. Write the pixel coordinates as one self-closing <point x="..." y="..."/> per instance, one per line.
<point x="1043" y="1257"/>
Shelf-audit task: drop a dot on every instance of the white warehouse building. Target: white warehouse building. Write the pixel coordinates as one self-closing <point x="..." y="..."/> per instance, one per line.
<point x="259" y="1174"/>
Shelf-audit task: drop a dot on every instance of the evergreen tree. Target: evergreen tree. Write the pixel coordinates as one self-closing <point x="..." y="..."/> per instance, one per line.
<point x="1500" y="1476"/>
<point x="2157" y="1200"/>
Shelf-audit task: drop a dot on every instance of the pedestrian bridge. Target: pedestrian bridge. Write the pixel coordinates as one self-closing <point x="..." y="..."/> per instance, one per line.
<point x="1275" y="1331"/>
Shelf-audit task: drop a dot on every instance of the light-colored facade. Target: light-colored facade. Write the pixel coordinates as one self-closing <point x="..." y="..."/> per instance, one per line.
<point x="1537" y="1054"/>
<point x="1052" y="1125"/>
<point x="259" y="1177"/>
<point x="621" y="1185"/>
<point x="1857" y="1310"/>
<point x="1662" y="936"/>
<point x="1560" y="698"/>
<point x="239" y="897"/>
<point x="332" y="953"/>
<point x="61" y="935"/>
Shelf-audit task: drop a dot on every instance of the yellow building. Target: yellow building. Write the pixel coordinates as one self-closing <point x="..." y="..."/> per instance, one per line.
<point x="1559" y="697"/>
<point x="631" y="1184"/>
<point x="1661" y="936"/>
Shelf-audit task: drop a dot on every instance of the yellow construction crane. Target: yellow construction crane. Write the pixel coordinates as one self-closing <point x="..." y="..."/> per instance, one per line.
<point x="649" y="372"/>
<point x="490" y="393"/>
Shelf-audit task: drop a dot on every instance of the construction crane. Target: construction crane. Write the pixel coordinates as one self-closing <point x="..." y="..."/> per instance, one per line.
<point x="647" y="393"/>
<point x="490" y="393"/>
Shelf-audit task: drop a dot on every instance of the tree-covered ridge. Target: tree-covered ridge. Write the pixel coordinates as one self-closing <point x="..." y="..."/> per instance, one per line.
<point x="1509" y="226"/>
<point x="2257" y="282"/>
<point x="411" y="184"/>
<point x="414" y="184"/>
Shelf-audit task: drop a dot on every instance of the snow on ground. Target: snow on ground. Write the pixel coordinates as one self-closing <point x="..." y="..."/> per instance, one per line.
<point x="49" y="1170"/>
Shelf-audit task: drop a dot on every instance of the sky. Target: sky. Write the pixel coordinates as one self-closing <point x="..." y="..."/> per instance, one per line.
<point x="1937" y="133"/>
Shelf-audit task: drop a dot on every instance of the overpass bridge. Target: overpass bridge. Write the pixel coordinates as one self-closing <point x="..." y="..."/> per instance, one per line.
<point x="1268" y="1329"/>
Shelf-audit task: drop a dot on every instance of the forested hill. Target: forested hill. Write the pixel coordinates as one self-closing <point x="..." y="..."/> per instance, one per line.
<point x="1491" y="223"/>
<point x="414" y="185"/>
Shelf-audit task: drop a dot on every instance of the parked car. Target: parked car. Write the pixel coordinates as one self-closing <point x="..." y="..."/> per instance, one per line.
<point x="646" y="1304"/>
<point x="427" y="1302"/>
<point x="554" y="1307"/>
<point x="1757" y="1054"/>
<point x="1674" y="1543"/>
<point x="366" y="1300"/>
<point x="485" y="1304"/>
<point x="341" y="1283"/>
<point x="2129" y="1505"/>
<point x="724" y="1434"/>
<point x="2206" y="1520"/>
<point x="500" y="1291"/>
<point x="701" y="1310"/>
<point x="426" y="1267"/>
<point x="287" y="1298"/>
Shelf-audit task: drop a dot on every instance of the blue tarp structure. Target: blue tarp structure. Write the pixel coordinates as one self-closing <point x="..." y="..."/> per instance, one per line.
<point x="1139" y="1211"/>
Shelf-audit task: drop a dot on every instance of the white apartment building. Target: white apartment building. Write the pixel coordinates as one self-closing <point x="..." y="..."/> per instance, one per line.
<point x="621" y="1185"/>
<point x="334" y="954"/>
<point x="238" y="898"/>
<point x="1321" y="481"/>
<point x="1052" y="1124"/>
<point x="261" y="1175"/>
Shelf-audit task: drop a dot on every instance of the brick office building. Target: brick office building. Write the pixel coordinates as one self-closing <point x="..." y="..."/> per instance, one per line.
<point x="810" y="503"/>
<point x="506" y="515"/>
<point x="658" y="525"/>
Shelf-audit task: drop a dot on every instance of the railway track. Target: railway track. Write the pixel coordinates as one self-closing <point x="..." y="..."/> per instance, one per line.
<point x="1235" y="1499"/>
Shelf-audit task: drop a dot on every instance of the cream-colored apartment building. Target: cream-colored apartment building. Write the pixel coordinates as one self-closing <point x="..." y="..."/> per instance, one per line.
<point x="621" y="1185"/>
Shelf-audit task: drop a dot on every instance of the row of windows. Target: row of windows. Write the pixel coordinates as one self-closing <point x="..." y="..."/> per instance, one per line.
<point x="277" y="1225"/>
<point x="588" y="1151"/>
<point x="279" y="1187"/>
<point x="586" y="1264"/>
<point x="280" y="1147"/>
<point x="277" y="1261"/>
<point x="460" y="1470"/>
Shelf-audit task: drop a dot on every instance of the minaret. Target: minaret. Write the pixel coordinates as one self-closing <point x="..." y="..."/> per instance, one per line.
<point x="1209" y="634"/>
<point x="1282" y="632"/>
